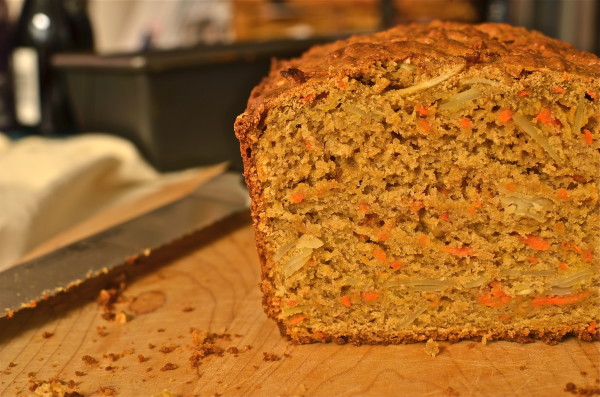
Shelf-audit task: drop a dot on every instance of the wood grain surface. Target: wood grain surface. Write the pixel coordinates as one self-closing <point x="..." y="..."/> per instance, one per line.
<point x="213" y="288"/>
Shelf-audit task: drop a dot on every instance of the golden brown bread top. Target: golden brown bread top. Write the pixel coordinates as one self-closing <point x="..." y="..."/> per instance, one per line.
<point x="512" y="50"/>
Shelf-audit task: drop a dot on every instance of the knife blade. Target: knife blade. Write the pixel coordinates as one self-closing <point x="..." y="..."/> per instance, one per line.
<point x="42" y="277"/>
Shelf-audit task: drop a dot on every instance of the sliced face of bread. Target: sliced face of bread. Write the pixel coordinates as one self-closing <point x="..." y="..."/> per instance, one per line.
<point x="431" y="181"/>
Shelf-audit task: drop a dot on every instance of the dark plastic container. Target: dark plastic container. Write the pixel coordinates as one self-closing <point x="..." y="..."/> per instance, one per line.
<point x="178" y="107"/>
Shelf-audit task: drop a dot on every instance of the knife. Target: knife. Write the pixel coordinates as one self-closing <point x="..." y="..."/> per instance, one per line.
<point x="29" y="282"/>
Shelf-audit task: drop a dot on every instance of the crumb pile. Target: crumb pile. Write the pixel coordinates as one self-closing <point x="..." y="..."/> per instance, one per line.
<point x="431" y="181"/>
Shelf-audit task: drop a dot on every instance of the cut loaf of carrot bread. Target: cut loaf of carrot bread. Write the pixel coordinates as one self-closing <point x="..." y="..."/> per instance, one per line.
<point x="430" y="181"/>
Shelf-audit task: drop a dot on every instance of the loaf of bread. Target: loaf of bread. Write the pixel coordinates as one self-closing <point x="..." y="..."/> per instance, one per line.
<point x="430" y="181"/>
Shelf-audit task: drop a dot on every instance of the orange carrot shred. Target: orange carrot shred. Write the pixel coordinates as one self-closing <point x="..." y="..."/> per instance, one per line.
<point x="537" y="243"/>
<point x="474" y="206"/>
<point x="384" y="234"/>
<point x="495" y="298"/>
<point x="592" y="327"/>
<point x="416" y="206"/>
<point x="533" y="260"/>
<point x="546" y="117"/>
<point x="369" y="296"/>
<point x="592" y="94"/>
<point x="588" y="137"/>
<point x="586" y="255"/>
<point x="341" y="84"/>
<point x="465" y="122"/>
<point x="396" y="265"/>
<point x="422" y="110"/>
<point x="445" y="216"/>
<point x="423" y="240"/>
<point x="425" y="126"/>
<point x="510" y="187"/>
<point x="297" y="197"/>
<point x="379" y="254"/>
<point x="346" y="301"/>
<point x="562" y="193"/>
<point x="460" y="252"/>
<point x="558" y="90"/>
<point x="308" y="144"/>
<point x="563" y="266"/>
<point x="560" y="300"/>
<point x="308" y="98"/>
<point x="292" y="303"/>
<point x="297" y="319"/>
<point x="505" y="116"/>
<point x="523" y="93"/>
<point x="364" y="207"/>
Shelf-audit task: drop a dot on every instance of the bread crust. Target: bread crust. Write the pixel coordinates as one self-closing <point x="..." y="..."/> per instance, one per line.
<point x="512" y="51"/>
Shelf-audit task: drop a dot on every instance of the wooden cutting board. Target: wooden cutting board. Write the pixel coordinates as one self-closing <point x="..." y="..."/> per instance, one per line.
<point x="213" y="288"/>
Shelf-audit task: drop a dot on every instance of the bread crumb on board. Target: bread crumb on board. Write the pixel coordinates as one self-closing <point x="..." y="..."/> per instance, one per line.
<point x="432" y="348"/>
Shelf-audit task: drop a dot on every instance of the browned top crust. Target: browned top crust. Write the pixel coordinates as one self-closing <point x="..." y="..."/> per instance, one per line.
<point x="512" y="50"/>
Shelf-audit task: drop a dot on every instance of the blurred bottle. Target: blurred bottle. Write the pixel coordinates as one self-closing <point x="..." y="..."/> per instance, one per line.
<point x="5" y="108"/>
<point x="44" y="28"/>
<point x="80" y="25"/>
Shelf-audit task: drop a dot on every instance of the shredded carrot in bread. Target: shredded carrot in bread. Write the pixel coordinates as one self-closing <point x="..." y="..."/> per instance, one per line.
<point x="369" y="296"/>
<point x="537" y="243"/>
<point x="308" y="98"/>
<point x="592" y="94"/>
<point x="533" y="260"/>
<point x="560" y="300"/>
<point x="424" y="124"/>
<point x="379" y="254"/>
<point x="505" y="115"/>
<point x="423" y="240"/>
<point x="422" y="110"/>
<point x="292" y="303"/>
<point x="298" y="197"/>
<point x="586" y="255"/>
<point x="308" y="144"/>
<point x="341" y="84"/>
<point x="364" y="207"/>
<point x="592" y="327"/>
<point x="562" y="193"/>
<point x="588" y="137"/>
<point x="475" y="206"/>
<point x="558" y="90"/>
<point x="523" y="93"/>
<point x="545" y="116"/>
<point x="445" y="216"/>
<point x="563" y="266"/>
<point x="466" y="122"/>
<point x="346" y="301"/>
<point x="396" y="265"/>
<point x="495" y="298"/>
<point x="460" y="252"/>
<point x="510" y="187"/>
<point x="416" y="206"/>
<point x="384" y="234"/>
<point x="296" y="319"/>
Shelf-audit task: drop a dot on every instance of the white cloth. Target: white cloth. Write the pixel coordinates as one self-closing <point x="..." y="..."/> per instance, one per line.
<point x="47" y="185"/>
